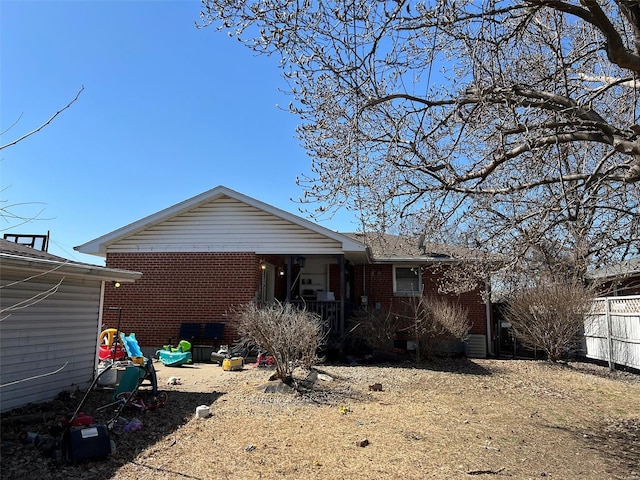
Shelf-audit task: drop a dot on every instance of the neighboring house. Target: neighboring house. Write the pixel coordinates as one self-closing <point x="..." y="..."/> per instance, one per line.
<point x="50" y="319"/>
<point x="619" y="279"/>
<point x="209" y="254"/>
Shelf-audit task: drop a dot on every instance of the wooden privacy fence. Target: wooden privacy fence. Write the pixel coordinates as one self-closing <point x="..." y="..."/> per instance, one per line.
<point x="612" y="331"/>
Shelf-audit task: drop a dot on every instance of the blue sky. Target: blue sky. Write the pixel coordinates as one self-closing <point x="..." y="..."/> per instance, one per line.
<point x="168" y="111"/>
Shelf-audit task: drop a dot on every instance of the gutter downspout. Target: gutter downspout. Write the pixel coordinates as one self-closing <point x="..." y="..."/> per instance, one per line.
<point x="343" y="294"/>
<point x="487" y="304"/>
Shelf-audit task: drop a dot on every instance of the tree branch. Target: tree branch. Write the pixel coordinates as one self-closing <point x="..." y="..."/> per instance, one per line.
<point x="45" y="123"/>
<point x="616" y="51"/>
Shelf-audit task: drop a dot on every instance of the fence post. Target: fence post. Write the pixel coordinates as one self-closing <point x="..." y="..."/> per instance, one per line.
<point x="612" y="365"/>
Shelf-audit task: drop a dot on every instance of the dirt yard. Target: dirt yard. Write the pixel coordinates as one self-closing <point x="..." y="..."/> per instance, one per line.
<point x="451" y="420"/>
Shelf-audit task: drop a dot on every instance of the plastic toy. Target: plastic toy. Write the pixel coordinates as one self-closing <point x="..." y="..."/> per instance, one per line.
<point x="175" y="357"/>
<point x="109" y="346"/>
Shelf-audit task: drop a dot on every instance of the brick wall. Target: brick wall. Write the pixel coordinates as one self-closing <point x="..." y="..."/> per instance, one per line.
<point x="177" y="288"/>
<point x="377" y="284"/>
<point x="472" y="301"/>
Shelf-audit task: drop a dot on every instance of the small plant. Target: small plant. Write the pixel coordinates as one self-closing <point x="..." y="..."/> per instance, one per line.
<point x="291" y="335"/>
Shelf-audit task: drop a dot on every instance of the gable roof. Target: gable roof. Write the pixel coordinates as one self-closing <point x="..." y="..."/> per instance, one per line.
<point x="154" y="222"/>
<point x="27" y="259"/>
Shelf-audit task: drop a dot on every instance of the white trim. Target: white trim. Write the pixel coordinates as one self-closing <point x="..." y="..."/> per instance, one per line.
<point x="417" y="293"/>
<point x="66" y="268"/>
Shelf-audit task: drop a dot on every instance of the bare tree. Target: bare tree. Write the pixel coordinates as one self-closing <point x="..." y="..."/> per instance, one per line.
<point x="13" y="219"/>
<point x="511" y="127"/>
<point x="9" y="212"/>
<point x="39" y="127"/>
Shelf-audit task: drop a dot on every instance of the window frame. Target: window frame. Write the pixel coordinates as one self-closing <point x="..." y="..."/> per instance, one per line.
<point x="407" y="293"/>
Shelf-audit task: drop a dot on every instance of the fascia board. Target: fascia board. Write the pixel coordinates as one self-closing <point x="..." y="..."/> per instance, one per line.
<point x="416" y="260"/>
<point x="40" y="265"/>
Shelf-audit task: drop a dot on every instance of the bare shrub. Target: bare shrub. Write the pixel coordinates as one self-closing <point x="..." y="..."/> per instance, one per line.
<point x="291" y="335"/>
<point x="550" y="316"/>
<point x="435" y="321"/>
<point x="377" y="328"/>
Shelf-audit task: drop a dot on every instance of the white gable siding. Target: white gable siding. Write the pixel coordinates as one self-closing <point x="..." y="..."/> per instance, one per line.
<point x="227" y="225"/>
<point x="41" y="338"/>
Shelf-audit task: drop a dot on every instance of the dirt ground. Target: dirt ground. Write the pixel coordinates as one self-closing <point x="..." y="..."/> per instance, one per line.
<point x="449" y="420"/>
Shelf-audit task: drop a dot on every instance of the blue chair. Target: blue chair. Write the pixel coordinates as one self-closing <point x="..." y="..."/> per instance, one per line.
<point x="189" y="331"/>
<point x="213" y="332"/>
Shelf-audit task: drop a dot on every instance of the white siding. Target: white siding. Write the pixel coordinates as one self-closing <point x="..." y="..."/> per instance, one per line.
<point x="227" y="225"/>
<point x="60" y="329"/>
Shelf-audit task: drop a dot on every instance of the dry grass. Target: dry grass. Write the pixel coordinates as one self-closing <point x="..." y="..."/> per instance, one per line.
<point x="453" y="420"/>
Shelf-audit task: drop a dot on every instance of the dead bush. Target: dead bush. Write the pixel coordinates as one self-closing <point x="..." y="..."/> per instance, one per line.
<point x="550" y="316"/>
<point x="291" y="335"/>
<point x="434" y="322"/>
<point x="376" y="328"/>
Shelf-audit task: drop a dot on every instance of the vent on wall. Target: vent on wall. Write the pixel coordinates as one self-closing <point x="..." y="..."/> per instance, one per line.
<point x="476" y="346"/>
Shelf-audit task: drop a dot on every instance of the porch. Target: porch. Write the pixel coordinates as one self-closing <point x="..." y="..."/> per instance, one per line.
<point x="329" y="311"/>
<point x="317" y="283"/>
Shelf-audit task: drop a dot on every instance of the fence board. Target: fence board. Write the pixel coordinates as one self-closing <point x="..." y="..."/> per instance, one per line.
<point x="612" y="331"/>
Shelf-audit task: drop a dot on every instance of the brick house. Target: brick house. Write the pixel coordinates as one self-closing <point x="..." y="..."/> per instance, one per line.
<point x="202" y="257"/>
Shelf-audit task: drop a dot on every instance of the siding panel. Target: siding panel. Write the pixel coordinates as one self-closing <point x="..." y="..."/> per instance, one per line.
<point x="227" y="225"/>
<point x="60" y="329"/>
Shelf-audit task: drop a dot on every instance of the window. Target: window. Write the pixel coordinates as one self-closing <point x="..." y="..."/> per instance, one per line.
<point x="407" y="281"/>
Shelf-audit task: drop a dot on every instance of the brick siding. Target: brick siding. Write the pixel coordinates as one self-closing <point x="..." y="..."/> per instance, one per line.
<point x="180" y="288"/>
<point x="177" y="288"/>
<point x="378" y="287"/>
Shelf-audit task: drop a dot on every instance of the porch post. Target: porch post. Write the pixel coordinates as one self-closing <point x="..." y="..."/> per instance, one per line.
<point x="342" y="294"/>
<point x="288" y="298"/>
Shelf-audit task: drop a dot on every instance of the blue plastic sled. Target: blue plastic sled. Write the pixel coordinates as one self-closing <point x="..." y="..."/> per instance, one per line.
<point x="175" y="357"/>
